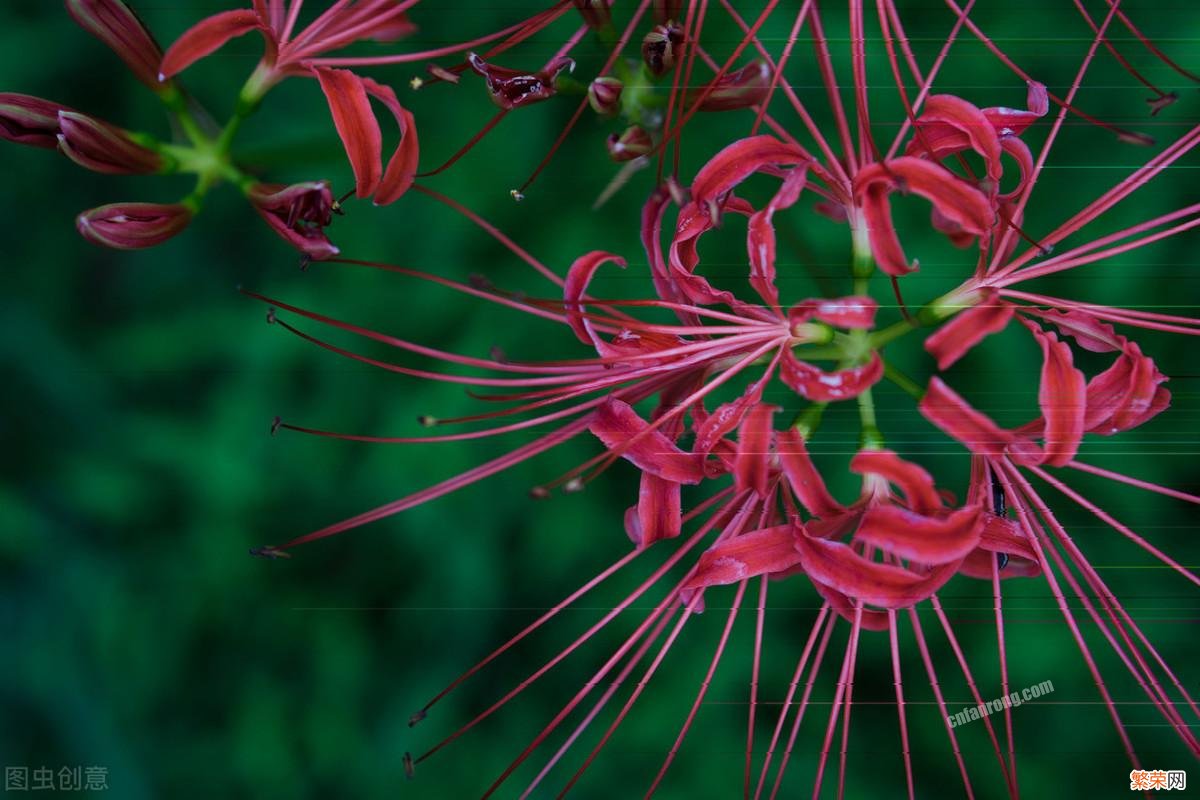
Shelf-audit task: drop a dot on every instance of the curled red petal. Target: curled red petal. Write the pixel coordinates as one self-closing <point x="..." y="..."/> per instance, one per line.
<point x="578" y="277"/>
<point x="760" y="236"/>
<point x="843" y="606"/>
<point x="1001" y="535"/>
<point x="725" y="418"/>
<point x="946" y="409"/>
<point x="953" y="197"/>
<point x="814" y="383"/>
<point x="402" y="167"/>
<point x="968" y="328"/>
<point x="759" y="552"/>
<point x="836" y="565"/>
<point x="738" y="161"/>
<point x="1127" y="394"/>
<point x="912" y="479"/>
<point x="615" y="423"/>
<point x="929" y="540"/>
<point x="356" y="125"/>
<point x="207" y="36"/>
<point x="1014" y="121"/>
<point x="1087" y="331"/>
<point x="658" y="513"/>
<point x="1062" y="397"/>
<point x="803" y="477"/>
<point x="959" y="115"/>
<point x="751" y="466"/>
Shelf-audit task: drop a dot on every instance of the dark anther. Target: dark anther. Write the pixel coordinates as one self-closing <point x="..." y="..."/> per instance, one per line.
<point x="1157" y="104"/>
<point x="573" y="485"/>
<point x="427" y="421"/>
<point x="271" y="316"/>
<point x="1001" y="560"/>
<point x="497" y="354"/>
<point x="999" y="508"/>
<point x="268" y="551"/>
<point x="275" y="423"/>
<point x="539" y="493"/>
<point x="409" y="769"/>
<point x="305" y="261"/>
<point x="480" y="282"/>
<point x="415" y="718"/>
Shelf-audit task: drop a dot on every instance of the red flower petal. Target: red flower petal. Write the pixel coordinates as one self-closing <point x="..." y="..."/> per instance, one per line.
<point x="1062" y="397"/>
<point x="820" y="386"/>
<point x="1014" y="121"/>
<point x="945" y="409"/>
<point x="915" y="482"/>
<point x="356" y="125"/>
<point x="205" y="37"/>
<point x="615" y="424"/>
<point x="1087" y="331"/>
<point x="956" y="199"/>
<point x="658" y="513"/>
<point x="755" y="553"/>
<point x="738" y="161"/>
<point x="928" y="540"/>
<point x="968" y="328"/>
<point x="954" y="112"/>
<point x="805" y="480"/>
<point x="402" y="167"/>
<point x="838" y="566"/>
<point x="751" y="467"/>
<point x="760" y="237"/>
<point x="1001" y="535"/>
<point x="869" y="618"/>
<point x="725" y="418"/>
<point x="578" y="277"/>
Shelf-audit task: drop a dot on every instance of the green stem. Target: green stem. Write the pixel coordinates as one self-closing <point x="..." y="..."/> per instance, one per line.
<point x="870" y="437"/>
<point x="910" y="387"/>
<point x="807" y="420"/>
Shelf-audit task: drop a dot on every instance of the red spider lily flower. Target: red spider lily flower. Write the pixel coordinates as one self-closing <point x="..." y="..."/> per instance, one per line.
<point x="298" y="213"/>
<point x="105" y="148"/>
<point x="29" y="120"/>
<point x="115" y="24"/>
<point x="133" y="226"/>
<point x="512" y="88"/>
<point x="347" y="93"/>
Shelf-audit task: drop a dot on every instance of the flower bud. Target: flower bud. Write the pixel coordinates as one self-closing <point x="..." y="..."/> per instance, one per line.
<point x="667" y="10"/>
<point x="106" y="148"/>
<point x="631" y="144"/>
<point x="29" y="120"/>
<point x="742" y="88"/>
<point x="133" y="226"/>
<point x="595" y="13"/>
<point x="511" y="88"/>
<point x="298" y="213"/>
<point x="115" y="24"/>
<point x="604" y="95"/>
<point x="661" y="47"/>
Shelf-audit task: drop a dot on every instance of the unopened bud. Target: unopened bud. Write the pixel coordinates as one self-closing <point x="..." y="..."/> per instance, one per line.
<point x="25" y="119"/>
<point x="105" y="148"/>
<point x="115" y="24"/>
<point x="604" y="96"/>
<point x="661" y="47"/>
<point x="742" y="88"/>
<point x="631" y="144"/>
<point x="133" y="226"/>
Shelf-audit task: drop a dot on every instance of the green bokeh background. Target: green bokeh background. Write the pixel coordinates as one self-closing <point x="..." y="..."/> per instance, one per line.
<point x="138" y="635"/>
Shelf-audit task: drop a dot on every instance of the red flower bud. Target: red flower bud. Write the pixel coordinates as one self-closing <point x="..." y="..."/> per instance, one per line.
<point x="115" y="24"/>
<point x="742" y="88"/>
<point x="511" y="88"/>
<point x="604" y="95"/>
<point x="595" y="13"/>
<point x="133" y="226"/>
<point x="667" y="10"/>
<point x="298" y="213"/>
<point x="29" y="120"/>
<point x="661" y="47"/>
<point x="106" y="148"/>
<point x="631" y="144"/>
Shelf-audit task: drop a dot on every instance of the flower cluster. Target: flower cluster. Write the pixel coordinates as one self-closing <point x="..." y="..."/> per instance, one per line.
<point x="732" y="478"/>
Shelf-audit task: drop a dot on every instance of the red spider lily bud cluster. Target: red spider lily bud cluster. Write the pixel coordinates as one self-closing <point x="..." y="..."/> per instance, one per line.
<point x="115" y="24"/>
<point x="101" y="147"/>
<point x="633" y="143"/>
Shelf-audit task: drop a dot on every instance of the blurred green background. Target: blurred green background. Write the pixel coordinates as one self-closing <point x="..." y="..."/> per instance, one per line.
<point x="138" y="635"/>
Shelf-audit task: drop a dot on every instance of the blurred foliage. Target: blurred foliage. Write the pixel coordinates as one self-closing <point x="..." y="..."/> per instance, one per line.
<point x="138" y="468"/>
